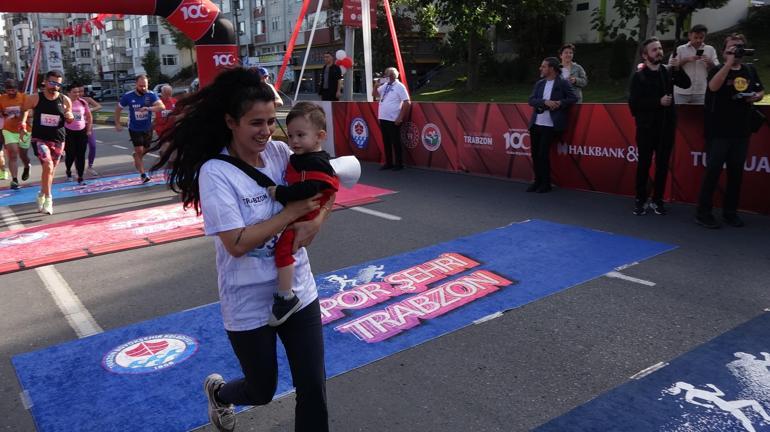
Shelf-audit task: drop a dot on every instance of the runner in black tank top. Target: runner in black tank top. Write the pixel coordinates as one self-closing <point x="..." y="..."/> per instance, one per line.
<point x="48" y="122"/>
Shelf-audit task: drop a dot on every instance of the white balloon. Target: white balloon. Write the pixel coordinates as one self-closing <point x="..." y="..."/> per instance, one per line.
<point x="340" y="54"/>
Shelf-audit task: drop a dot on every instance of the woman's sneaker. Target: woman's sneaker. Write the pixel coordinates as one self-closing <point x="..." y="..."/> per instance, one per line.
<point x="92" y="172"/>
<point x="222" y="416"/>
<point x="282" y="309"/>
<point x="40" y="202"/>
<point x="658" y="207"/>
<point x="48" y="205"/>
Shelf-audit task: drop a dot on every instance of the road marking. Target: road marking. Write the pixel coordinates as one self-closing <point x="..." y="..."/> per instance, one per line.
<point x="488" y="317"/>
<point x="68" y="302"/>
<point x="625" y="266"/>
<point x="644" y="372"/>
<point x="99" y="141"/>
<point x="120" y="147"/>
<point x="618" y="275"/>
<point x="153" y="155"/>
<point x="376" y="213"/>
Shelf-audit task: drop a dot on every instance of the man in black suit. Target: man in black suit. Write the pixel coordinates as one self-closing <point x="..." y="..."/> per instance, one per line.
<point x="551" y="99"/>
<point x="330" y="87"/>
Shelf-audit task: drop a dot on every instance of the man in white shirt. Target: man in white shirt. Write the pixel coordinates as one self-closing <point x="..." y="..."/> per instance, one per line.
<point x="696" y="59"/>
<point x="394" y="106"/>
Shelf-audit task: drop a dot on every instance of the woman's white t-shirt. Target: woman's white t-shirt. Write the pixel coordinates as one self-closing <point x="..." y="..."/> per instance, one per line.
<point x="230" y="199"/>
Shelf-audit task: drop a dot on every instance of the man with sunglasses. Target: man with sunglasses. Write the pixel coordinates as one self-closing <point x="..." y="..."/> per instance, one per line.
<point x="51" y="110"/>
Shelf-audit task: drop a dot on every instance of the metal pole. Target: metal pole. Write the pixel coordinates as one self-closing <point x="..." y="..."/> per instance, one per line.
<point x="237" y="28"/>
<point x="350" y="45"/>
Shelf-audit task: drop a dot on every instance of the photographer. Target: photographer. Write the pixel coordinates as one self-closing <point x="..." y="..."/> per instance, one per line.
<point x="696" y="59"/>
<point x="651" y="103"/>
<point x="732" y="89"/>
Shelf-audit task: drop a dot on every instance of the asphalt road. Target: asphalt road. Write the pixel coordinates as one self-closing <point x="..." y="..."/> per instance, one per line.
<point x="509" y="374"/>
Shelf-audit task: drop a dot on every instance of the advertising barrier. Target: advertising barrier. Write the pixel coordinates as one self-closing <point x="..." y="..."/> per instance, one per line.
<point x="597" y="152"/>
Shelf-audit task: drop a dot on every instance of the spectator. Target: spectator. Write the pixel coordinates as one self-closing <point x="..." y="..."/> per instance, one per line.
<point x="571" y="71"/>
<point x="551" y="98"/>
<point x="732" y="89"/>
<point x="393" y="109"/>
<point x="650" y="99"/>
<point x="235" y="117"/>
<point x="696" y="59"/>
<point x="330" y="87"/>
<point x="264" y="75"/>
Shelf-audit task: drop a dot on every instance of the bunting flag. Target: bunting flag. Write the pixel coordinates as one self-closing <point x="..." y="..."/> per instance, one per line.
<point x="88" y="26"/>
<point x="30" y="79"/>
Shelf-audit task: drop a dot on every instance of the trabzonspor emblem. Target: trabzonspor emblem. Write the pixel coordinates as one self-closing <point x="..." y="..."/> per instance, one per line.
<point x="150" y="354"/>
<point x="23" y="238"/>
<point x="359" y="132"/>
<point x="431" y="137"/>
<point x="410" y="135"/>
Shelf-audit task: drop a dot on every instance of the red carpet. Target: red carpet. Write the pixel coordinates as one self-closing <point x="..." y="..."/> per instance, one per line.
<point x="81" y="238"/>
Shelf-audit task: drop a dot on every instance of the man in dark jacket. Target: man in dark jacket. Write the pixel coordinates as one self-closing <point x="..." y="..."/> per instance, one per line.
<point x="551" y="98"/>
<point x="651" y="103"/>
<point x="330" y="87"/>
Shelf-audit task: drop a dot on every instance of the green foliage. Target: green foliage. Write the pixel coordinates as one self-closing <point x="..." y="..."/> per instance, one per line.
<point x="181" y="40"/>
<point x="184" y="73"/>
<point x="74" y="73"/>
<point x="757" y="23"/>
<point x="151" y="65"/>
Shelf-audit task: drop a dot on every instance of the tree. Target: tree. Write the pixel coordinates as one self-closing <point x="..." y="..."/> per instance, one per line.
<point x="151" y="65"/>
<point x="75" y="73"/>
<point x="181" y="40"/>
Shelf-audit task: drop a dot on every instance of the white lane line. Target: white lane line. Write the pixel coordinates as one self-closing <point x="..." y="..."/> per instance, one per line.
<point x="644" y="372"/>
<point x="376" y="213"/>
<point x="68" y="302"/>
<point x="625" y="266"/>
<point x="120" y="147"/>
<point x="618" y="275"/>
<point x="153" y="155"/>
<point x="488" y="317"/>
<point x="99" y="141"/>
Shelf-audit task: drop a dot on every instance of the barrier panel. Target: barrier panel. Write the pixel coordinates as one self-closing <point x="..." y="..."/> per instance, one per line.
<point x="597" y="153"/>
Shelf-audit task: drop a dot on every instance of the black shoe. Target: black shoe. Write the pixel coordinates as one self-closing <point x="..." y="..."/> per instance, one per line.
<point x="386" y="167"/>
<point x="733" y="220"/>
<point x="658" y="207"/>
<point x="544" y="188"/>
<point x="533" y="187"/>
<point x="640" y="207"/>
<point x="145" y="178"/>
<point x="81" y="182"/>
<point x="25" y="173"/>
<point x="282" y="309"/>
<point x="707" y="220"/>
<point x="398" y="168"/>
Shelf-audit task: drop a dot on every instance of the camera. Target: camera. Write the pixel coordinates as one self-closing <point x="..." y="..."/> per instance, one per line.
<point x="741" y="51"/>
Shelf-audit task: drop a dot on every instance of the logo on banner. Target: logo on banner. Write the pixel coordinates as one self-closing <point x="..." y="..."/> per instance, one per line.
<point x="630" y="154"/>
<point x="410" y="135"/>
<point x="23" y="238"/>
<point x="359" y="132"/>
<point x="150" y="354"/>
<point x="194" y="17"/>
<point x="517" y="142"/>
<point x="194" y="11"/>
<point x="479" y="140"/>
<point x="431" y="137"/>
<point x="224" y="60"/>
<point x="760" y="164"/>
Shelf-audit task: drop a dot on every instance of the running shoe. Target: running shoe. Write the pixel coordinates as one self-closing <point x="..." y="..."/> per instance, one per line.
<point x="92" y="172"/>
<point x="282" y="309"/>
<point x="48" y="205"/>
<point x="222" y="416"/>
<point x="145" y="178"/>
<point x="3" y="174"/>
<point x="40" y="202"/>
<point x="707" y="220"/>
<point x="640" y="207"/>
<point x="658" y="207"/>
<point x="25" y="173"/>
<point x="15" y="184"/>
<point x="81" y="182"/>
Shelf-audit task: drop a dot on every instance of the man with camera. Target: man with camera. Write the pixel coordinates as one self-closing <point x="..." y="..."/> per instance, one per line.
<point x="732" y="89"/>
<point x="651" y="103"/>
<point x="696" y="59"/>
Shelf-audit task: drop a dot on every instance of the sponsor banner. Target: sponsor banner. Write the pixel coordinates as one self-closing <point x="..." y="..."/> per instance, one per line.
<point x="194" y="17"/>
<point x="351" y="13"/>
<point x="212" y="59"/>
<point x="52" y="56"/>
<point x="129" y="377"/>
<point x="723" y="385"/>
<point x="597" y="152"/>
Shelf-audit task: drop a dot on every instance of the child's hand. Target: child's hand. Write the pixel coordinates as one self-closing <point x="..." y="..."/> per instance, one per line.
<point x="271" y="191"/>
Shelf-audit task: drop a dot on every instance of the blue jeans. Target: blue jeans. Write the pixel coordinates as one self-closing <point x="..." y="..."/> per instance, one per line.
<point x="302" y="337"/>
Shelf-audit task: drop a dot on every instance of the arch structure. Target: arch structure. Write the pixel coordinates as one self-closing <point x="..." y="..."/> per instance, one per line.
<point x="200" y="20"/>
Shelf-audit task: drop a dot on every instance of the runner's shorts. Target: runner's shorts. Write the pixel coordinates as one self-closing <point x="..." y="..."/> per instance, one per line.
<point x="141" y="138"/>
<point x="48" y="150"/>
<point x="15" y="138"/>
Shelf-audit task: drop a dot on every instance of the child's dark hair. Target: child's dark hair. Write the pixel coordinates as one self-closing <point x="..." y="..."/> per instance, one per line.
<point x="199" y="131"/>
<point x="312" y="112"/>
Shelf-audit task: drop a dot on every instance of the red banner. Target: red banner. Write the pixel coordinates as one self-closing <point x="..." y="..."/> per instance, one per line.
<point x="213" y="58"/>
<point x="194" y="17"/>
<point x="597" y="153"/>
<point x="351" y="13"/>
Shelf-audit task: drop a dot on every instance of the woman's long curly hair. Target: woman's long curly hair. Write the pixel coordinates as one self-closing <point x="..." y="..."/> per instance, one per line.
<point x="199" y="131"/>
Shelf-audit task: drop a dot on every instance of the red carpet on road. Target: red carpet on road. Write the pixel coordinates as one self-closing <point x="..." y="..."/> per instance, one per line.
<point x="64" y="241"/>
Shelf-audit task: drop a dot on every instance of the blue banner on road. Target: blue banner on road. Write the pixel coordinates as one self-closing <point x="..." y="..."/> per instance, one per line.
<point x="148" y="376"/>
<point x="723" y="385"/>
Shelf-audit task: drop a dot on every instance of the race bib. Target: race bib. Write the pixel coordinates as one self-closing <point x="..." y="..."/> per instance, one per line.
<point x="266" y="250"/>
<point x="140" y="115"/>
<point x="165" y="113"/>
<point x="49" y="120"/>
<point x="78" y="116"/>
<point x="13" y="111"/>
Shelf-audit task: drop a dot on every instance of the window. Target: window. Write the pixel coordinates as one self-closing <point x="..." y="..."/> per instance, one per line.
<point x="582" y="6"/>
<point x="260" y="27"/>
<point x="84" y="52"/>
<point x="165" y="39"/>
<point x="169" y="59"/>
<point x="275" y="24"/>
<point x="259" y="4"/>
<point x="241" y="28"/>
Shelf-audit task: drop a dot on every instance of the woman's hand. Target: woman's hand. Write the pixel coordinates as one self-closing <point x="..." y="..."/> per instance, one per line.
<point x="297" y="209"/>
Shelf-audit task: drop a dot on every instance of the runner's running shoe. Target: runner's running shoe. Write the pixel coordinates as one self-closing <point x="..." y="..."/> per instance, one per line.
<point x="222" y="416"/>
<point x="25" y="173"/>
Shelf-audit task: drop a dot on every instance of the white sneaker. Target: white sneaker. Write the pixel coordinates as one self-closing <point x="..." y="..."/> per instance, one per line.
<point x="48" y="205"/>
<point x="222" y="416"/>
<point x="40" y="202"/>
<point x="92" y="172"/>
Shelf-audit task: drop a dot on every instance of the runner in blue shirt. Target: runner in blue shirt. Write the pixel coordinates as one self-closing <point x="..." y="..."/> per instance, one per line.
<point x="141" y="103"/>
